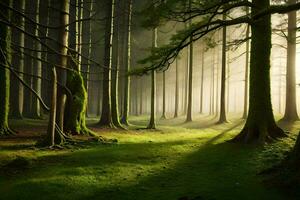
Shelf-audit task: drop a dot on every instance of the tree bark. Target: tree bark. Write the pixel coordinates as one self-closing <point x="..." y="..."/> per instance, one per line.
<point x="222" y="117"/>
<point x="152" y="122"/>
<point x="37" y="69"/>
<point x="5" y="34"/>
<point x="260" y="126"/>
<point x="106" y="120"/>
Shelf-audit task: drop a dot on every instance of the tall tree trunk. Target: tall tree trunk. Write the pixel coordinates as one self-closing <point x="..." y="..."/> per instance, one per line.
<point x="290" y="102"/>
<point x="190" y="76"/>
<point x="152" y="122"/>
<point x="28" y="60"/>
<point x="105" y="119"/>
<point x="37" y="68"/>
<point x="63" y="61"/>
<point x="202" y="81"/>
<point x="260" y="125"/>
<point x="87" y="45"/>
<point x="5" y="34"/>
<point x="126" y="97"/>
<point x="19" y="38"/>
<point x="246" y="88"/>
<point x="222" y="117"/>
<point x="115" y="67"/>
<point x="163" y="116"/>
<point x="176" y="90"/>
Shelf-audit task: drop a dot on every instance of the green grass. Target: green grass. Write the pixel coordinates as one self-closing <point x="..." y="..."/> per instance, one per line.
<point x="192" y="160"/>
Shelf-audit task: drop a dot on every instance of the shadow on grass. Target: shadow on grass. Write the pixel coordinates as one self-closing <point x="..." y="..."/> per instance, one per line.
<point x="187" y="169"/>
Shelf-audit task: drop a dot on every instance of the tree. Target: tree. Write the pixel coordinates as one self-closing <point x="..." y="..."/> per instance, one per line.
<point x="222" y="117"/>
<point x="190" y="75"/>
<point x="163" y="115"/>
<point x="246" y="88"/>
<point x="5" y="33"/>
<point x="37" y="67"/>
<point x="115" y="67"/>
<point x="152" y="122"/>
<point x="290" y="113"/>
<point x="260" y="126"/>
<point x="105" y="119"/>
<point x="126" y="95"/>
<point x="18" y="37"/>
<point x="176" y="90"/>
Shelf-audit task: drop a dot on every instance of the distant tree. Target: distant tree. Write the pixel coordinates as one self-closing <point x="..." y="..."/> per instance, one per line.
<point x="163" y="115"/>
<point x="176" y="89"/>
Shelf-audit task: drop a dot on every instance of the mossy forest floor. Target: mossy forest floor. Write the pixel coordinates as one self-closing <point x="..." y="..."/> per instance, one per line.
<point x="177" y="161"/>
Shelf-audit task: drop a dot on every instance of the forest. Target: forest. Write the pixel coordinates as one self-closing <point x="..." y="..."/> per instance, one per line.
<point x="149" y="99"/>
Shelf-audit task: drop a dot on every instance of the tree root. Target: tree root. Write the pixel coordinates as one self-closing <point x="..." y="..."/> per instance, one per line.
<point x="258" y="135"/>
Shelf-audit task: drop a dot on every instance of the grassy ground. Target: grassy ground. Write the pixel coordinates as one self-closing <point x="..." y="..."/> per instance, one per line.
<point x="183" y="160"/>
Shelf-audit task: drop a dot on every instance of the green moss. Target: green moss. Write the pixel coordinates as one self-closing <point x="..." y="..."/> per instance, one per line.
<point x="76" y="105"/>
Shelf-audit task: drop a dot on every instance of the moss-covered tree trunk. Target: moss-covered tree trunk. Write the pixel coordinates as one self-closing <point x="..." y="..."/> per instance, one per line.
<point x="5" y="34"/>
<point x="260" y="125"/>
<point x="105" y="119"/>
<point x="74" y="122"/>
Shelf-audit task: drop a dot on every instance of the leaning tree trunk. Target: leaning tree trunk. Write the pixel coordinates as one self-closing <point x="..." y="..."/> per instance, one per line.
<point x="105" y="119"/>
<point x="290" y="102"/>
<point x="152" y="122"/>
<point x="260" y="126"/>
<point x="19" y="38"/>
<point x="5" y="34"/>
<point x="222" y="117"/>
<point x="125" y="112"/>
